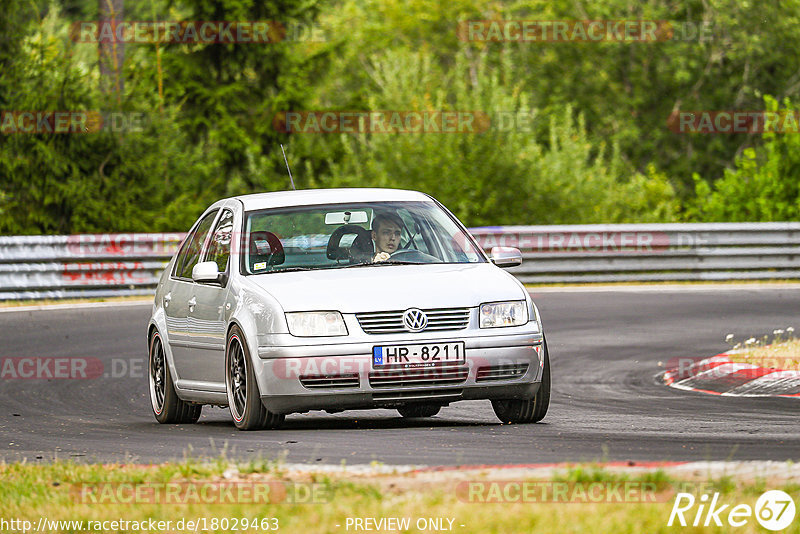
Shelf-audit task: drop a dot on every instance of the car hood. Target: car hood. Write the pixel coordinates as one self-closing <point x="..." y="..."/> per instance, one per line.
<point x="391" y="287"/>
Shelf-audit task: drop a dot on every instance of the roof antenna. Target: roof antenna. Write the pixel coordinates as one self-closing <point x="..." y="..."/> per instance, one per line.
<point x="288" y="169"/>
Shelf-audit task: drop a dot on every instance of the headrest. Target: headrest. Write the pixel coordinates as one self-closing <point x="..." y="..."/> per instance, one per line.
<point x="348" y="239"/>
<point x="265" y="247"/>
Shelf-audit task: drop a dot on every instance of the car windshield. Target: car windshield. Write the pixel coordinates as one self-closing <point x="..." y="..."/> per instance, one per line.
<point x="336" y="236"/>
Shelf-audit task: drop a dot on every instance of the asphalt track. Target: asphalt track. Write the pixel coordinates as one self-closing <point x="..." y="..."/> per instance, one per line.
<point x="606" y="404"/>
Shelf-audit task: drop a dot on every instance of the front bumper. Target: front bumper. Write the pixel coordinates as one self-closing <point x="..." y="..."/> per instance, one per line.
<point x="338" y="376"/>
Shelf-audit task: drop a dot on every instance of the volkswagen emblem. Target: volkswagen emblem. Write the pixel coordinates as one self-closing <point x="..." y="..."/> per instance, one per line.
<point x="415" y="320"/>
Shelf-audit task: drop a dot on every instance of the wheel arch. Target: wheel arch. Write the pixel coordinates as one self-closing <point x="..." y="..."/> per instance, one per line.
<point x="153" y="327"/>
<point x="249" y="327"/>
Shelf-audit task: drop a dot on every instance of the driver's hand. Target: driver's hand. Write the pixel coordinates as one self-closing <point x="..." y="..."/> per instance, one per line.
<point x="381" y="256"/>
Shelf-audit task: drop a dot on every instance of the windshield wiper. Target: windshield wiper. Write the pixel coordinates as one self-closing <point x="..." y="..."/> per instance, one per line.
<point x="379" y="263"/>
<point x="290" y="270"/>
<point x="367" y="264"/>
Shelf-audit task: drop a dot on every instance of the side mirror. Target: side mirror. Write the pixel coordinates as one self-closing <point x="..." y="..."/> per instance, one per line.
<point x="506" y="256"/>
<point x="207" y="272"/>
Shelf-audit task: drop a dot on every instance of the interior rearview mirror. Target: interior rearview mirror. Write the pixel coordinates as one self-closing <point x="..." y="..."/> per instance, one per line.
<point x="346" y="217"/>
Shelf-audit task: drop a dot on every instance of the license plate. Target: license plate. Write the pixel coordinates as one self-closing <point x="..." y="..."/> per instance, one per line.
<point x="418" y="355"/>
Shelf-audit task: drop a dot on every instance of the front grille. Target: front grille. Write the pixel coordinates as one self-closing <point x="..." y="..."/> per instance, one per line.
<point x="391" y="322"/>
<point x="329" y="381"/>
<point x="427" y="376"/>
<point x="501" y="372"/>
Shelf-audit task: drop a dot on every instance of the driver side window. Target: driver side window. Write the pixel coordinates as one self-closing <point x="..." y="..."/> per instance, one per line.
<point x="219" y="249"/>
<point x="190" y="252"/>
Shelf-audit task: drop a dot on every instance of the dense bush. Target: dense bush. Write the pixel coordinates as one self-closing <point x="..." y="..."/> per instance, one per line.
<point x="504" y="175"/>
<point x="597" y="147"/>
<point x="764" y="185"/>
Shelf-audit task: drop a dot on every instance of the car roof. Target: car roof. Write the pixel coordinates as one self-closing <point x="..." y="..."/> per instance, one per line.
<point x="308" y="197"/>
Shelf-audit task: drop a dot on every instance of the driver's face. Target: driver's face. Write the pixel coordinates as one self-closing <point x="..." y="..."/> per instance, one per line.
<point x="386" y="237"/>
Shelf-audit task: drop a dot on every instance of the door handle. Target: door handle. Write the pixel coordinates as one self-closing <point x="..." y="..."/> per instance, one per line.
<point x="167" y="299"/>
<point x="192" y="303"/>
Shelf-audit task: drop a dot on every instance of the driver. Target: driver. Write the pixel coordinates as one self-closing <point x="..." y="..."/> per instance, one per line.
<point x="386" y="230"/>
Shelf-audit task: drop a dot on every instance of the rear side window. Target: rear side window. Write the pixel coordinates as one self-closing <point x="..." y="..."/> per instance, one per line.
<point x="193" y="246"/>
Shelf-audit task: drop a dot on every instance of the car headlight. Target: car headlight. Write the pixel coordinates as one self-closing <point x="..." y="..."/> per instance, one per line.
<point x="313" y="324"/>
<point x="495" y="314"/>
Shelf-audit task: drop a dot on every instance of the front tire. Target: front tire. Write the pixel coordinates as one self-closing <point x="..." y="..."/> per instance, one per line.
<point x="419" y="410"/>
<point x="167" y="406"/>
<point x="527" y="410"/>
<point x="244" y="398"/>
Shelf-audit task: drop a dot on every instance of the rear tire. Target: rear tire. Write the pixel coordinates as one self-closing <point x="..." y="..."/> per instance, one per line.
<point x="527" y="410"/>
<point x="244" y="398"/>
<point x="167" y="406"/>
<point x="419" y="410"/>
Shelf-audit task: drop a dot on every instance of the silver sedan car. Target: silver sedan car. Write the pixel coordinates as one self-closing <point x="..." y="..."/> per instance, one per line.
<point x="338" y="299"/>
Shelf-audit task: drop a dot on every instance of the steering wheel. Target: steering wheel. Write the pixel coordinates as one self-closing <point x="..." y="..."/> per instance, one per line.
<point x="409" y="254"/>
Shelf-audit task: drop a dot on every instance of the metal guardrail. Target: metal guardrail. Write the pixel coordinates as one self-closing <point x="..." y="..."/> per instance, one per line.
<point x="35" y="267"/>
<point x="91" y="265"/>
<point x="650" y="252"/>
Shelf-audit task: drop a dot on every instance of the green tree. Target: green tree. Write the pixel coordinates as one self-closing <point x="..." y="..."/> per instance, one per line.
<point x="764" y="184"/>
<point x="229" y="92"/>
<point x="500" y="176"/>
<point x="96" y="181"/>
<point x="725" y="54"/>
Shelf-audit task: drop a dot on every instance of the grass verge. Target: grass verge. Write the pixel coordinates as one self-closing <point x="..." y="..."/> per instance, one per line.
<point x="461" y="502"/>
<point x="783" y="355"/>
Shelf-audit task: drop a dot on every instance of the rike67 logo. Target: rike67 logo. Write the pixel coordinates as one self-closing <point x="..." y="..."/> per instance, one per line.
<point x="774" y="510"/>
